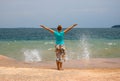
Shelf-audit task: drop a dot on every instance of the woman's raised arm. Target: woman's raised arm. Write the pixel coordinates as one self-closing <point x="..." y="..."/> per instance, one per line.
<point x="49" y="29"/>
<point x="69" y="28"/>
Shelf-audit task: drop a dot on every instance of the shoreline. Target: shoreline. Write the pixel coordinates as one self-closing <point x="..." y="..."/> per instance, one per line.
<point x="69" y="64"/>
<point x="74" y="70"/>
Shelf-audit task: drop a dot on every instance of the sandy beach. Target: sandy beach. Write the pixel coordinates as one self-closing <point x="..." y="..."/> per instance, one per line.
<point x="74" y="70"/>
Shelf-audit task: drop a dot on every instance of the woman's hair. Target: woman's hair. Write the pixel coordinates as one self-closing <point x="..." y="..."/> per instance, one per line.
<point x="59" y="28"/>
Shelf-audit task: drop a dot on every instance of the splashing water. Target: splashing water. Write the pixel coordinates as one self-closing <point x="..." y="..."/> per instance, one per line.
<point x="85" y="48"/>
<point x="31" y="55"/>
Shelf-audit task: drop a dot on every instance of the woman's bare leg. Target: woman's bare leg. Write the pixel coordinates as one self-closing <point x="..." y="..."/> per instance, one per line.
<point x="58" y="65"/>
<point x="61" y="66"/>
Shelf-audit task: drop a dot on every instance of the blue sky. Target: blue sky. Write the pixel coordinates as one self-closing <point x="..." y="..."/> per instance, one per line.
<point x="86" y="13"/>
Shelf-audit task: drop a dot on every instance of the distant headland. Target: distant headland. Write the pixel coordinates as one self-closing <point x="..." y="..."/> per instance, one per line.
<point x="116" y="26"/>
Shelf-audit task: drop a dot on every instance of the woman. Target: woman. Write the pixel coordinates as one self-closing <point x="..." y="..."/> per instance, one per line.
<point x="60" y="48"/>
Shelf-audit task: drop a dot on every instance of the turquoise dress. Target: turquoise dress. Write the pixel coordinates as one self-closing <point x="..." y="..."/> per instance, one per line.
<point x="59" y="37"/>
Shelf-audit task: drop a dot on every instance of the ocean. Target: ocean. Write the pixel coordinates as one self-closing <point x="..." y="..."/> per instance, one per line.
<point x="37" y="44"/>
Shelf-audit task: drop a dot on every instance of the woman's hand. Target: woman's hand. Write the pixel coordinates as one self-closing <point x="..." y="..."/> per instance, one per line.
<point x="75" y="24"/>
<point x="42" y="26"/>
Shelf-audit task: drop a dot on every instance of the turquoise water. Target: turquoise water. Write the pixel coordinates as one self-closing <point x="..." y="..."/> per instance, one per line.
<point x="38" y="45"/>
<point x="76" y="49"/>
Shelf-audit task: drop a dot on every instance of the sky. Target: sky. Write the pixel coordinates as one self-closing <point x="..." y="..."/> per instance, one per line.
<point x="86" y="13"/>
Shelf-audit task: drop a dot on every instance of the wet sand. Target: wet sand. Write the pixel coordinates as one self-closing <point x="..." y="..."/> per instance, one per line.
<point x="74" y="70"/>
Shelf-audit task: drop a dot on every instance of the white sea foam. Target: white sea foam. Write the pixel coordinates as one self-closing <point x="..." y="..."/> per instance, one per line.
<point x="46" y="43"/>
<point x="50" y="49"/>
<point x="110" y="43"/>
<point x="31" y="55"/>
